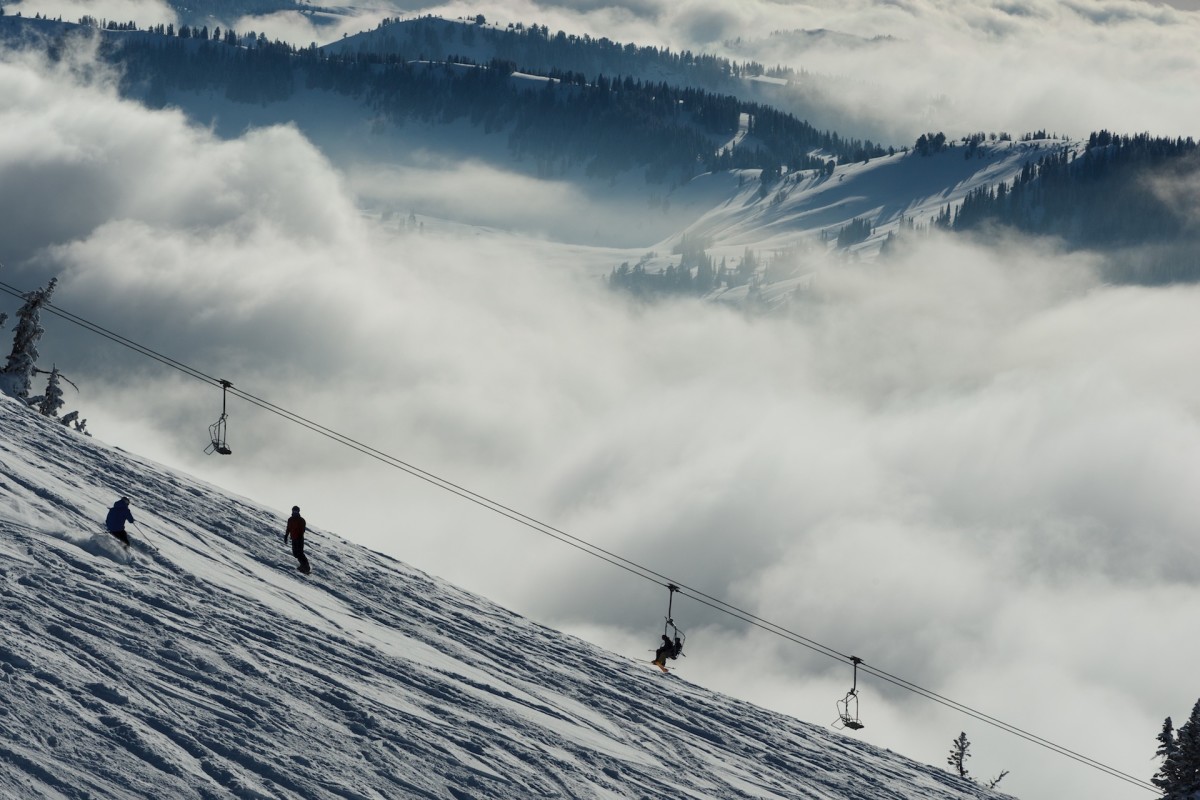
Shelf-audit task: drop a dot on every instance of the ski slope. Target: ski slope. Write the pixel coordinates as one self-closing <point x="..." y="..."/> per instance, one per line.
<point x="885" y="191"/>
<point x="207" y="667"/>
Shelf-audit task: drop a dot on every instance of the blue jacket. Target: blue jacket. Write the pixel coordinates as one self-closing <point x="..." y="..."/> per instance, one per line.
<point x="118" y="515"/>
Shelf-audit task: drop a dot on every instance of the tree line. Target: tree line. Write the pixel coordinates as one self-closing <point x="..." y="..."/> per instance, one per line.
<point x="1114" y="195"/>
<point x="606" y="124"/>
<point x="534" y="47"/>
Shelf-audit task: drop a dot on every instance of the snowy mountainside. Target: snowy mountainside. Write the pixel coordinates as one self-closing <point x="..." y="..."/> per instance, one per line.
<point x="803" y="212"/>
<point x="208" y="667"/>
<point x="807" y="96"/>
<point x="884" y="191"/>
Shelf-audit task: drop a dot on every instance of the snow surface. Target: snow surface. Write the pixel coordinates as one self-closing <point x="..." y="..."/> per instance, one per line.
<point x="884" y="191"/>
<point x="805" y="210"/>
<point x="205" y="666"/>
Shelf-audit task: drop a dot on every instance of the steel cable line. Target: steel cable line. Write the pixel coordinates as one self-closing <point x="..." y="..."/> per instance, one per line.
<point x="928" y="694"/>
<point x="584" y="546"/>
<point x="1008" y="728"/>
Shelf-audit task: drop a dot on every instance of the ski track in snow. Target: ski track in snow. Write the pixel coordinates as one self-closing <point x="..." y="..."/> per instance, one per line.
<point x="204" y="666"/>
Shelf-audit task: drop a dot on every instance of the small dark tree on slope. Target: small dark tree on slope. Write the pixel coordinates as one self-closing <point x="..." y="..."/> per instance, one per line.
<point x="960" y="751"/>
<point x="1179" y="775"/>
<point x="17" y="373"/>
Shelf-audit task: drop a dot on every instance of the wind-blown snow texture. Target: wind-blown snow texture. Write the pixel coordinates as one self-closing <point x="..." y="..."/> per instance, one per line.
<point x="208" y="667"/>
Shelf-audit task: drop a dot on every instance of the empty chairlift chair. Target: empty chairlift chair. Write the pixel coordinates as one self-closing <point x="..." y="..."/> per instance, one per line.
<point x="848" y="706"/>
<point x="216" y="431"/>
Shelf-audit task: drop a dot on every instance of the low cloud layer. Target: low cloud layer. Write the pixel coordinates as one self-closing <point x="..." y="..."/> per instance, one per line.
<point x="973" y="468"/>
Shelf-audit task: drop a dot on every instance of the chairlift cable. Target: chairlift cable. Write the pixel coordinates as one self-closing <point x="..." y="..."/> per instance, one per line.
<point x="584" y="546"/>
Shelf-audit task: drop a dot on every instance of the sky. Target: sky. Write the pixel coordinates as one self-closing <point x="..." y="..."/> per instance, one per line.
<point x="973" y="469"/>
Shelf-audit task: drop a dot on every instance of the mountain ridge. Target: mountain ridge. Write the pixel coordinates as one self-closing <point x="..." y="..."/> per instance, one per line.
<point x="658" y="146"/>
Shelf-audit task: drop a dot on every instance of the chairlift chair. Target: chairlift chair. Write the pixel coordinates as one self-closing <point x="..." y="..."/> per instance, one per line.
<point x="216" y="431"/>
<point x="847" y="707"/>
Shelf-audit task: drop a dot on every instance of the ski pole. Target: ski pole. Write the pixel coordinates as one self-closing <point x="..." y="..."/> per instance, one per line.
<point x="142" y="531"/>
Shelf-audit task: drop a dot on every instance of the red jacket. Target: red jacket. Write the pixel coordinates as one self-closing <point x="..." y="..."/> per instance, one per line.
<point x="296" y="527"/>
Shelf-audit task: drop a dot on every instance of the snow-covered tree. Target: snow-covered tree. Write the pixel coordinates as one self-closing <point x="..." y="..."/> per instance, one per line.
<point x="72" y="420"/>
<point x="960" y="751"/>
<point x="18" y="372"/>
<point x="1179" y="775"/>
<point x="52" y="400"/>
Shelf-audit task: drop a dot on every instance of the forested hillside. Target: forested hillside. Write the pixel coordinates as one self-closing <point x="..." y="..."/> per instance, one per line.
<point x="554" y="123"/>
<point x="1121" y="191"/>
<point x="534" y="47"/>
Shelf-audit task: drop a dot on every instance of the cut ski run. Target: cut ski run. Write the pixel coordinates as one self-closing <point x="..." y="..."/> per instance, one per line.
<point x="208" y="667"/>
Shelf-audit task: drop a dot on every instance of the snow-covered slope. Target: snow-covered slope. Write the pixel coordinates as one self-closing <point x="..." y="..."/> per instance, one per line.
<point x="884" y="191"/>
<point x="208" y="667"/>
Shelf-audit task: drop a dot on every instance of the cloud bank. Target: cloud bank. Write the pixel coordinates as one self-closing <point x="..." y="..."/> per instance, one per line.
<point x="973" y="468"/>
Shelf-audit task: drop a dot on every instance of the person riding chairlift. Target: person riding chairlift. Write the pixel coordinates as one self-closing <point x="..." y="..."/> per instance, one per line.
<point x="667" y="649"/>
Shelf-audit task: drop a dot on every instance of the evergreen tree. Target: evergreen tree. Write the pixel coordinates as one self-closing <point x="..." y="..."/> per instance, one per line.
<point x="72" y="420"/>
<point x="1179" y="775"/>
<point x="960" y="751"/>
<point x="52" y="400"/>
<point x="17" y="373"/>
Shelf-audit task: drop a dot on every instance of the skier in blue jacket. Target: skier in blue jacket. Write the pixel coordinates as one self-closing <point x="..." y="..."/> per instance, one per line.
<point x="118" y="515"/>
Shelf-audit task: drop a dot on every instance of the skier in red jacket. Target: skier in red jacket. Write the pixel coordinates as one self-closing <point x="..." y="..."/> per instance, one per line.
<point x="295" y="532"/>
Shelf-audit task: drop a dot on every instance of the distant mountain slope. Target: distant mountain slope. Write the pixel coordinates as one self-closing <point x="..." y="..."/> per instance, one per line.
<point x="557" y="122"/>
<point x="1134" y="194"/>
<point x="795" y="221"/>
<point x="886" y="192"/>
<point x="208" y="667"/>
<point x="724" y="173"/>
<point x="1129" y="198"/>
<point x="534" y="47"/>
